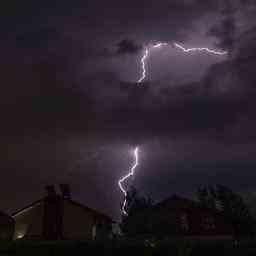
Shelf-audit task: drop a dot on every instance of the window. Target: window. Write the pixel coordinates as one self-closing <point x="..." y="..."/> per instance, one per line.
<point x="21" y="230"/>
<point x="208" y="223"/>
<point x="94" y="232"/>
<point x="184" y="221"/>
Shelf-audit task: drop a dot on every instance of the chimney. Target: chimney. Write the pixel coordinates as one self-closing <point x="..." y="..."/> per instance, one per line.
<point x="53" y="215"/>
<point x="51" y="193"/>
<point x="65" y="191"/>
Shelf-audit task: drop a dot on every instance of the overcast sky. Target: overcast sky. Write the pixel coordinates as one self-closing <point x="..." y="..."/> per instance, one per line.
<point x="71" y="110"/>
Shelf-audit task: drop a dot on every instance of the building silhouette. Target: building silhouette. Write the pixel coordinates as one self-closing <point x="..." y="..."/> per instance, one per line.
<point x="58" y="216"/>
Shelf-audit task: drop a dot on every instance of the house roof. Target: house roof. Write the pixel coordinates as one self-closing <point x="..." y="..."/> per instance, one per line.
<point x="93" y="211"/>
<point x="27" y="207"/>
<point x="183" y="203"/>
<point x="5" y="215"/>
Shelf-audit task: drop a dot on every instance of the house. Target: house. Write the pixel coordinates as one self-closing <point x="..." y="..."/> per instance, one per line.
<point x="57" y="216"/>
<point x="177" y="216"/>
<point x="6" y="226"/>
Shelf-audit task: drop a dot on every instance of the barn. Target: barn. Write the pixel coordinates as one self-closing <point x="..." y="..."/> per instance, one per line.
<point x="58" y="216"/>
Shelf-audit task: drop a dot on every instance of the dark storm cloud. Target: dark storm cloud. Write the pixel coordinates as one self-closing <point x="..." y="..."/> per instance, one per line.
<point x="225" y="31"/>
<point x="213" y="106"/>
<point x="236" y="18"/>
<point x="245" y="45"/>
<point x="128" y="46"/>
<point x="57" y="126"/>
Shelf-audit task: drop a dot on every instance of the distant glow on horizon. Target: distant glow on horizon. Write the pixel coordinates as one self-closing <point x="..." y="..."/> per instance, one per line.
<point x="177" y="45"/>
<point x="131" y="173"/>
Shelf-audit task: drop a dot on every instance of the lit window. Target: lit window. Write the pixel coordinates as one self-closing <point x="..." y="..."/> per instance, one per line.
<point x="94" y="232"/>
<point x="21" y="231"/>
<point x="20" y="235"/>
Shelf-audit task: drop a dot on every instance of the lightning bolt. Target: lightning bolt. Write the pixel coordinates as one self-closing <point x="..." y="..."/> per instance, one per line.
<point x="200" y="50"/>
<point x="177" y="45"/>
<point x="131" y="172"/>
<point x="142" y="77"/>
<point x="143" y="60"/>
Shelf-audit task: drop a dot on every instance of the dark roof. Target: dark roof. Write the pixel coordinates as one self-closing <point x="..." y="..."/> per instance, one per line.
<point x="93" y="211"/>
<point x="175" y="200"/>
<point x="5" y="215"/>
<point x="26" y="207"/>
<point x="183" y="203"/>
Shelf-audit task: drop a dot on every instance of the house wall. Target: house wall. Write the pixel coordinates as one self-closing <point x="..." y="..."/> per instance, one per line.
<point x="6" y="227"/>
<point x="77" y="222"/>
<point x="52" y="221"/>
<point x="193" y="221"/>
<point x="29" y="222"/>
<point x="60" y="219"/>
<point x="207" y="223"/>
<point x="167" y="222"/>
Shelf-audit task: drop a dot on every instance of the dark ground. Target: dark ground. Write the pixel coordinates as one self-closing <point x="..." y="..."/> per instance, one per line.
<point x="177" y="247"/>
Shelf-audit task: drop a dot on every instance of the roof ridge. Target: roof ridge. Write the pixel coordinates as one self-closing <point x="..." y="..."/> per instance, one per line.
<point x="65" y="199"/>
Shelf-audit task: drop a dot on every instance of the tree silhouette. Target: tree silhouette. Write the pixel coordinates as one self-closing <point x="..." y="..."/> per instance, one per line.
<point x="137" y="221"/>
<point x="232" y="206"/>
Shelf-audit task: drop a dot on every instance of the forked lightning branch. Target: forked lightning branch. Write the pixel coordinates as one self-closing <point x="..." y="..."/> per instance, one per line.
<point x="143" y="76"/>
<point x="176" y="45"/>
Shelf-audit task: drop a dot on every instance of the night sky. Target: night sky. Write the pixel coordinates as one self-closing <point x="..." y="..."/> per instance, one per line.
<point x="72" y="112"/>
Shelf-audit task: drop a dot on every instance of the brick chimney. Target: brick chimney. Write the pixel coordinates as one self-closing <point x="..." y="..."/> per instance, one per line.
<point x="53" y="215"/>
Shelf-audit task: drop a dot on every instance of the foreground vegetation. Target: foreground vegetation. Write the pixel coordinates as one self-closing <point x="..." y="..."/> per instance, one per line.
<point x="130" y="247"/>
